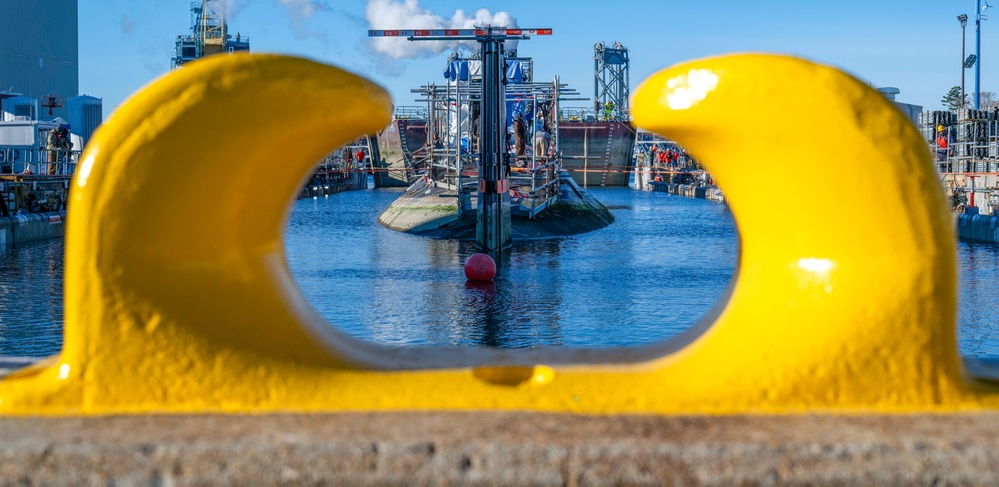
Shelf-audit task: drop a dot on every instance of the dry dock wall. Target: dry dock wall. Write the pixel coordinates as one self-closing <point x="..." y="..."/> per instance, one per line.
<point x="397" y="145"/>
<point x="597" y="153"/>
<point x="19" y="229"/>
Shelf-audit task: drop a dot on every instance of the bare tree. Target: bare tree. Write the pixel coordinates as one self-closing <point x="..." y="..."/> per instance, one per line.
<point x="988" y="100"/>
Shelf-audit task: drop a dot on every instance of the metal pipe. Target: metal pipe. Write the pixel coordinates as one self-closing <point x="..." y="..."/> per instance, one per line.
<point x="546" y="185"/>
<point x="964" y="22"/>
<point x="534" y="138"/>
<point x="586" y="155"/>
<point x="554" y="142"/>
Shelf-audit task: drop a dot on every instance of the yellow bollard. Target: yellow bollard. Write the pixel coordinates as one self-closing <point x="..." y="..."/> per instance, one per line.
<point x="179" y="298"/>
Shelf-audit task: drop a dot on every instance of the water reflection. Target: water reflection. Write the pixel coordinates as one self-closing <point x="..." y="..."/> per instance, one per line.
<point x="487" y="325"/>
<point x="978" y="300"/>
<point x="511" y="312"/>
<point x="650" y="275"/>
<point x="31" y="299"/>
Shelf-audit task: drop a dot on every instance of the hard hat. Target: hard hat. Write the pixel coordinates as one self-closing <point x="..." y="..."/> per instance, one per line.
<point x="940" y="128"/>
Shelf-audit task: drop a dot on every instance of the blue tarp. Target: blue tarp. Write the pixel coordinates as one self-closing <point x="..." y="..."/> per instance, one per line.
<point x="514" y="71"/>
<point x="458" y="70"/>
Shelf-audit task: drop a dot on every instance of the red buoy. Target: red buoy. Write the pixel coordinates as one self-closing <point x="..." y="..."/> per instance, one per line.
<point x="480" y="267"/>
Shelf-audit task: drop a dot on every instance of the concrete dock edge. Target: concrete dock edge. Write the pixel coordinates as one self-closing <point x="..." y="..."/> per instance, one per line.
<point x="16" y="230"/>
<point x="500" y="448"/>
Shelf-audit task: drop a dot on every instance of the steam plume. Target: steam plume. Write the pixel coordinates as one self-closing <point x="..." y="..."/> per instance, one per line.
<point x="299" y="13"/>
<point x="305" y="8"/>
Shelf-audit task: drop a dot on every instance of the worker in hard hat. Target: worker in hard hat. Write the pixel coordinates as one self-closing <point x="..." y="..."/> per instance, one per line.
<point x="941" y="144"/>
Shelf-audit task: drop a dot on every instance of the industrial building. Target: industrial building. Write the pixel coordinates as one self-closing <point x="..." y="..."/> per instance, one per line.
<point x="39" y="53"/>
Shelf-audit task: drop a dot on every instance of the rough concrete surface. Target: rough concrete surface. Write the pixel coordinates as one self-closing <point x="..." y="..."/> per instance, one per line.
<point x="500" y="448"/>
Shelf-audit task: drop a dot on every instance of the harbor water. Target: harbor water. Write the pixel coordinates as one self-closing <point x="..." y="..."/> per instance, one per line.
<point x="653" y="273"/>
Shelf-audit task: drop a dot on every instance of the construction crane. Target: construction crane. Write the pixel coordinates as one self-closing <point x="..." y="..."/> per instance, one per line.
<point x="209" y="34"/>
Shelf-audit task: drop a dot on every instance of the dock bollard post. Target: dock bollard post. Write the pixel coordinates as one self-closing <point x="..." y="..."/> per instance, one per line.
<point x="844" y="307"/>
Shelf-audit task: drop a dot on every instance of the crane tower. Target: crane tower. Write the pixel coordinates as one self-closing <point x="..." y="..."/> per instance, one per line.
<point x="209" y="34"/>
<point x="611" y="80"/>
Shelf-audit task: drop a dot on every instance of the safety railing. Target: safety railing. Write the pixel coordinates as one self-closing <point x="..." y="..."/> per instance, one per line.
<point x="409" y="112"/>
<point x="17" y="160"/>
<point x="585" y="114"/>
<point x="845" y="306"/>
<point x="536" y="186"/>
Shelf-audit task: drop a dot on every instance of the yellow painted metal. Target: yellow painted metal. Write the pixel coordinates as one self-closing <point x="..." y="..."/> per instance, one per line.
<point x="179" y="299"/>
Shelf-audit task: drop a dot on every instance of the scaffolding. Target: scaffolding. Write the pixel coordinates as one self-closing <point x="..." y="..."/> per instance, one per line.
<point x="611" y="81"/>
<point x="450" y="158"/>
<point x="965" y="145"/>
<point x="486" y="123"/>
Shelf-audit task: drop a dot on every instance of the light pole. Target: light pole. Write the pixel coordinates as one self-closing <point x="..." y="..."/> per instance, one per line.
<point x="978" y="53"/>
<point x="963" y="18"/>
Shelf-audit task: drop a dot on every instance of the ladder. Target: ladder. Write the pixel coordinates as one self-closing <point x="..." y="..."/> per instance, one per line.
<point x="607" y="154"/>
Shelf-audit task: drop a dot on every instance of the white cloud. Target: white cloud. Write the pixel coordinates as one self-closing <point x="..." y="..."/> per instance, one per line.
<point x="408" y="14"/>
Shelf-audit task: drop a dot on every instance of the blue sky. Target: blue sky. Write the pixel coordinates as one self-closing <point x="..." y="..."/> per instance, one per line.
<point x="912" y="45"/>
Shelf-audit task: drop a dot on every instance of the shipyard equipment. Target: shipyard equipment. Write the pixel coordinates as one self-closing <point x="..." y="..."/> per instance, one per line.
<point x="611" y="81"/>
<point x="209" y="34"/>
